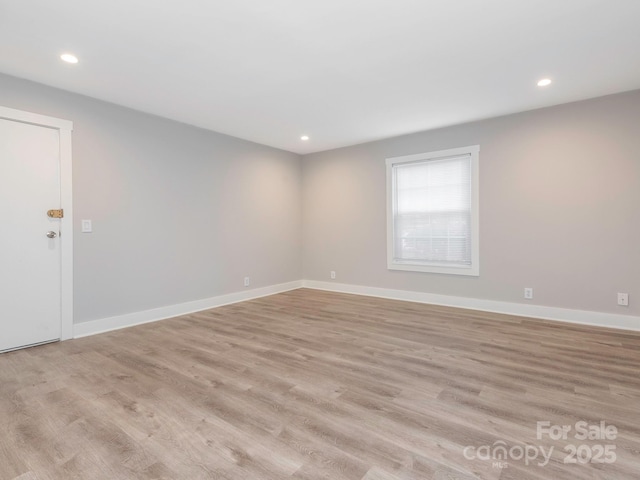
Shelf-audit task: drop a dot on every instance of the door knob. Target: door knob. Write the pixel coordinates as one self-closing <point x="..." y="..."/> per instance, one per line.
<point x="51" y="234"/>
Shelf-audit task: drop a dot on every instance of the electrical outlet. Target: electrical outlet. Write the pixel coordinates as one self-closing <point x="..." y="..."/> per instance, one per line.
<point x="333" y="275"/>
<point x="247" y="282"/>
<point x="623" y="299"/>
<point x="528" y="293"/>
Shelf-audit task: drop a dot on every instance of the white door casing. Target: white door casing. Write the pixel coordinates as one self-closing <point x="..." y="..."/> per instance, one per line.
<point x="36" y="274"/>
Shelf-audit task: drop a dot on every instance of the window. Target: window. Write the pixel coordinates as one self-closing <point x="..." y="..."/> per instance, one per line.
<point x="432" y="216"/>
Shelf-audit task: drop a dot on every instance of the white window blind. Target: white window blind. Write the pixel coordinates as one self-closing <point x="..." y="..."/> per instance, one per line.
<point x="432" y="212"/>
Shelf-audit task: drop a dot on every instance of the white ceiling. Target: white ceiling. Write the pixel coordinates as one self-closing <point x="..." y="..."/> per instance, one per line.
<point x="341" y="71"/>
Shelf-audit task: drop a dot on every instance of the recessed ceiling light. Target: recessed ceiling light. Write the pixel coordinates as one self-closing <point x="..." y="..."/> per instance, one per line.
<point x="304" y="138"/>
<point x="67" y="57"/>
<point x="544" y="82"/>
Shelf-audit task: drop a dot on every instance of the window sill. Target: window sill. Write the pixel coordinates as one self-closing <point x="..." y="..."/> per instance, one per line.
<point x="472" y="270"/>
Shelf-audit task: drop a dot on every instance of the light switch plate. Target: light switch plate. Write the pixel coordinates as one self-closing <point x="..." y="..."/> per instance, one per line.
<point x="86" y="226"/>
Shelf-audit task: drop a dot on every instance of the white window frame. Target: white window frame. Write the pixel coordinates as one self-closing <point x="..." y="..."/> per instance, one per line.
<point x="474" y="268"/>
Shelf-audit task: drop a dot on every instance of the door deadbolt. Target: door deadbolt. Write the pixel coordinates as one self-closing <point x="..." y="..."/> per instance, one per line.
<point x="52" y="234"/>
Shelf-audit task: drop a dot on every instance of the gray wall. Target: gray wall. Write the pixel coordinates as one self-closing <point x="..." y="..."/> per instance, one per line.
<point x="179" y="213"/>
<point x="183" y="214"/>
<point x="559" y="208"/>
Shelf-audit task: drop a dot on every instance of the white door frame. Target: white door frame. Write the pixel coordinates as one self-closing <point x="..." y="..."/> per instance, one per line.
<point x="64" y="128"/>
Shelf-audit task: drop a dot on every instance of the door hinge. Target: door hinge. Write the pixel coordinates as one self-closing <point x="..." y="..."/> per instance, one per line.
<point x="56" y="213"/>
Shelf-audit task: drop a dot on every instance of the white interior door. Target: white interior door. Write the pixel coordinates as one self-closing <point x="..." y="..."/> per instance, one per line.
<point x="30" y="254"/>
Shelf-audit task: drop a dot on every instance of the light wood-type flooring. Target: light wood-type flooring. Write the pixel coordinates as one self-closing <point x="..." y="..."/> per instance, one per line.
<point x="318" y="385"/>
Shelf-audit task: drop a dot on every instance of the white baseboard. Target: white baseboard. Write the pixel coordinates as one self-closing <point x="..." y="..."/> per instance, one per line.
<point x="583" y="317"/>
<point x="137" y="318"/>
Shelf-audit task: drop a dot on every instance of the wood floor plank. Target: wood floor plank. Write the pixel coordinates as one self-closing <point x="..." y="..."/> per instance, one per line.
<point x="317" y="385"/>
